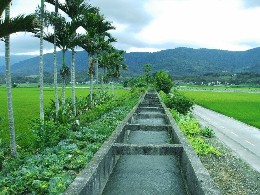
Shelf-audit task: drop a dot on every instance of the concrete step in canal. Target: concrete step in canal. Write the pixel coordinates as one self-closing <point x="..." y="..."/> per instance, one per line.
<point x="147" y="154"/>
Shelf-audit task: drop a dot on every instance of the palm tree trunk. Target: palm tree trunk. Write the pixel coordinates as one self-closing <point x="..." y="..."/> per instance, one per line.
<point x="91" y="89"/>
<point x="73" y="82"/>
<point x="63" y="79"/>
<point x="113" y="88"/>
<point x="97" y="73"/>
<point x="116" y="89"/>
<point x="91" y="73"/>
<point x="63" y="92"/>
<point x="109" y="89"/>
<point x="102" y="87"/>
<point x="9" y="91"/>
<point x="55" y="65"/>
<point x="41" y="66"/>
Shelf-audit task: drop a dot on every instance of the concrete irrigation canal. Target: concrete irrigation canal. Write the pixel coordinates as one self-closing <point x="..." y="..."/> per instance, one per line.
<point x="147" y="154"/>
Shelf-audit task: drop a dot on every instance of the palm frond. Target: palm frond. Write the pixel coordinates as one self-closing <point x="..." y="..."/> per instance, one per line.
<point x="20" y="23"/>
<point x="3" y="5"/>
<point x="49" y="37"/>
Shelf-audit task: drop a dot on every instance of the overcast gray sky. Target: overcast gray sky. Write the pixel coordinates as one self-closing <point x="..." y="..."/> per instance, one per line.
<point x="152" y="25"/>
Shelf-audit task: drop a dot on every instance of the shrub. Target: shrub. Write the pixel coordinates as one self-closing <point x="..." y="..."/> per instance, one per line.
<point x="194" y="133"/>
<point x="182" y="104"/>
<point x="125" y="83"/>
<point x="14" y="85"/>
<point x="3" y="151"/>
<point x="201" y="147"/>
<point x="163" y="82"/>
<point x="177" y="102"/>
<point x="50" y="134"/>
<point x="137" y="82"/>
<point x="208" y="132"/>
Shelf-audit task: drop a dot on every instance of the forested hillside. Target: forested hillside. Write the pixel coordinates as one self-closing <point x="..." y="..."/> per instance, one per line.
<point x="187" y="61"/>
<point x="14" y="59"/>
<point x="178" y="62"/>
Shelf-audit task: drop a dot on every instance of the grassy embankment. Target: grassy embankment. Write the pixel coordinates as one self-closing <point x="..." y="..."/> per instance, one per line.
<point x="239" y="105"/>
<point x="26" y="107"/>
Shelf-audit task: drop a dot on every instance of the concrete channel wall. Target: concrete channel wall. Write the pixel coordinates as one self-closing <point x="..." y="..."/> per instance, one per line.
<point x="97" y="174"/>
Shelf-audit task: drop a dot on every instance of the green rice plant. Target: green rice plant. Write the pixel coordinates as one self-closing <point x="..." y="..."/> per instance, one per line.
<point x="241" y="106"/>
<point x="26" y="107"/>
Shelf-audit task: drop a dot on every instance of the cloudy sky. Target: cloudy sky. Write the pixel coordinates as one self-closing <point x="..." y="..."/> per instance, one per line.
<point x="153" y="25"/>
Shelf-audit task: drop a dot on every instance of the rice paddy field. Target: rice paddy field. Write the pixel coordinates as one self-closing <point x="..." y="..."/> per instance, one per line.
<point x="26" y="107"/>
<point x="243" y="106"/>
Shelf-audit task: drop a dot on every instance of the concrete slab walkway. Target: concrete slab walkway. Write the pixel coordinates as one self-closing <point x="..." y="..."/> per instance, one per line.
<point x="147" y="174"/>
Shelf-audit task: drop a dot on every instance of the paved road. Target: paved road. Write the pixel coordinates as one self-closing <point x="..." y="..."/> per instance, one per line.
<point x="241" y="138"/>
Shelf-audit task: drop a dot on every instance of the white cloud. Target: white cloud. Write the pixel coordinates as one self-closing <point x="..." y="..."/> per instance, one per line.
<point x="151" y="25"/>
<point x="214" y="24"/>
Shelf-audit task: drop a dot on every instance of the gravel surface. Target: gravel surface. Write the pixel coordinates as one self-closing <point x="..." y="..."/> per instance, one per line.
<point x="230" y="173"/>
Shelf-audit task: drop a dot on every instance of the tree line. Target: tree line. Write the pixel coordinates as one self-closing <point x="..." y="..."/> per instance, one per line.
<point x="96" y="41"/>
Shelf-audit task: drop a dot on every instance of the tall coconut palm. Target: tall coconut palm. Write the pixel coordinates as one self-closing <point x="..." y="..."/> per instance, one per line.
<point x="112" y="62"/>
<point x="88" y="45"/>
<point x="41" y="64"/>
<point x="8" y="86"/>
<point x="100" y="36"/>
<point x="55" y="75"/>
<point x="96" y="27"/>
<point x="75" y="9"/>
<point x="104" y="45"/>
<point x="89" y="17"/>
<point x="92" y="43"/>
<point x="44" y="18"/>
<point x="9" y="26"/>
<point x="65" y="36"/>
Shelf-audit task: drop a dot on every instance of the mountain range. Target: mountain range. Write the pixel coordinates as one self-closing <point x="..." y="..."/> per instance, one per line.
<point x="14" y="59"/>
<point x="178" y="62"/>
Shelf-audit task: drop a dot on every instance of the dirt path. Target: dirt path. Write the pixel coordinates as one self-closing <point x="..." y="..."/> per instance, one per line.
<point x="243" y="139"/>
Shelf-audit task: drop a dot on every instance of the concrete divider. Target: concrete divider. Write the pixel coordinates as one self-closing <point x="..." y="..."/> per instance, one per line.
<point x="151" y="149"/>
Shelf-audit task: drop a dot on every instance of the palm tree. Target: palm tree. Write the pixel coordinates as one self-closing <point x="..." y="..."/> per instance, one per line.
<point x="96" y="27"/>
<point x="89" y="18"/>
<point x="20" y="23"/>
<point x="65" y="38"/>
<point x="75" y="9"/>
<point x="9" y="26"/>
<point x="101" y="37"/>
<point x="55" y="75"/>
<point x="87" y="44"/>
<point x="8" y="86"/>
<point x="104" y="45"/>
<point x="41" y="64"/>
<point x="44" y="18"/>
<point x="112" y="62"/>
